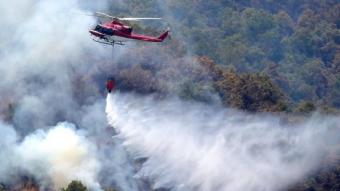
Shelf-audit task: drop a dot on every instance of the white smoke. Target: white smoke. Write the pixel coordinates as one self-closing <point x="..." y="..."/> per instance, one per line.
<point x="56" y="156"/>
<point x="42" y="44"/>
<point x="190" y="146"/>
<point x="44" y="47"/>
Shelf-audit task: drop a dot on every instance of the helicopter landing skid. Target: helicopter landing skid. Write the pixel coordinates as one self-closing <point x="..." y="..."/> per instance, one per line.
<point x="108" y="42"/>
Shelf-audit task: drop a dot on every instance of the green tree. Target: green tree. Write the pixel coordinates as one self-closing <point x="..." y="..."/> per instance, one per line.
<point x="257" y="22"/>
<point x="305" y="107"/>
<point x="75" y="185"/>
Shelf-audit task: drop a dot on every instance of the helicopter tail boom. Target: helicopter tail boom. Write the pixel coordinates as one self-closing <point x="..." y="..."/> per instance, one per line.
<point x="163" y="36"/>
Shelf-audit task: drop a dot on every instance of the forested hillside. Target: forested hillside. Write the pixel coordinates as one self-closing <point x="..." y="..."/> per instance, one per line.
<point x="295" y="43"/>
<point x="261" y="55"/>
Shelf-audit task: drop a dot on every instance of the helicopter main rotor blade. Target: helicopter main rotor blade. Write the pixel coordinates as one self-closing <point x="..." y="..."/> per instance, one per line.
<point x="138" y="18"/>
<point x="100" y="14"/>
<point x="104" y="15"/>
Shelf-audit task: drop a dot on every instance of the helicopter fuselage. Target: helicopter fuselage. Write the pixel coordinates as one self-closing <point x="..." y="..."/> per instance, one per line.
<point x="115" y="28"/>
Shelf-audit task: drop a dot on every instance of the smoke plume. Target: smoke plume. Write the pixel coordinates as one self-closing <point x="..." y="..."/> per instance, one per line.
<point x="47" y="60"/>
<point x="62" y="154"/>
<point x="191" y="146"/>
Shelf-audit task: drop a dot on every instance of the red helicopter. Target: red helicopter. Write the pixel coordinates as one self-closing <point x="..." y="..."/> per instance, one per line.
<point x="108" y="31"/>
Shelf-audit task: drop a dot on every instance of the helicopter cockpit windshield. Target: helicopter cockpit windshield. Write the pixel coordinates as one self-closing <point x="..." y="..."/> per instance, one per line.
<point x="103" y="30"/>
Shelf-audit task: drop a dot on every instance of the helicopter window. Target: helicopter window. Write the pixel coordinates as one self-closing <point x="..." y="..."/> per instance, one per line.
<point x="108" y="31"/>
<point x="129" y="29"/>
<point x="99" y="29"/>
<point x="104" y="30"/>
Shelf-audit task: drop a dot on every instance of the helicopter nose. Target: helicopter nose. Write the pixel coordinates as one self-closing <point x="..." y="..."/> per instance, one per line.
<point x="92" y="32"/>
<point x="95" y="33"/>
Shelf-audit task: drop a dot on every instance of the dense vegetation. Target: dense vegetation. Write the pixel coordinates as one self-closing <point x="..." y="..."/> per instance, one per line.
<point x="295" y="43"/>
<point x="249" y="52"/>
<point x="202" y="80"/>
